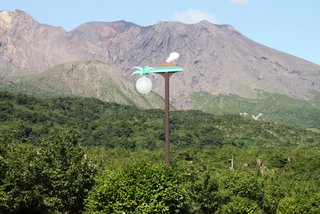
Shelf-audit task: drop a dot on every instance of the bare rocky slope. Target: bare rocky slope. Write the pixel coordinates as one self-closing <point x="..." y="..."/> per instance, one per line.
<point x="217" y="59"/>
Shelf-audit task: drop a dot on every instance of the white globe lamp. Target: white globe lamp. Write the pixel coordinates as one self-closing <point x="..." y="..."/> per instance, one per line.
<point x="144" y="85"/>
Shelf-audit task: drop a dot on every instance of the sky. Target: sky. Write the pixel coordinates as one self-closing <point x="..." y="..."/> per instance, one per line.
<point x="291" y="26"/>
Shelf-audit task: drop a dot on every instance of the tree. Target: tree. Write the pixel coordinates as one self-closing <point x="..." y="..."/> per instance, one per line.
<point x="52" y="177"/>
<point x="138" y="188"/>
<point x="241" y="205"/>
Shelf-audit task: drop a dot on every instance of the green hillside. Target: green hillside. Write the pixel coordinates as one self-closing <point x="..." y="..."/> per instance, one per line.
<point x="112" y="125"/>
<point x="274" y="107"/>
<point x="102" y="81"/>
<point x="82" y="155"/>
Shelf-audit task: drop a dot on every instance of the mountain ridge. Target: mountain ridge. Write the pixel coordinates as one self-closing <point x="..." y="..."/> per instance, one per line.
<point x="217" y="59"/>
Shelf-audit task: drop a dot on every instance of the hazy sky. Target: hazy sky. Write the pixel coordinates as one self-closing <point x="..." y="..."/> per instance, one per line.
<point x="291" y="26"/>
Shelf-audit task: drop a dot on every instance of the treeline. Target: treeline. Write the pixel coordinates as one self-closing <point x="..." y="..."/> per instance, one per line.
<point x="112" y="125"/>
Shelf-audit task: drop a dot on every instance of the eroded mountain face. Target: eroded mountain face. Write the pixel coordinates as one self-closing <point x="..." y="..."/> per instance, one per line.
<point x="217" y="59"/>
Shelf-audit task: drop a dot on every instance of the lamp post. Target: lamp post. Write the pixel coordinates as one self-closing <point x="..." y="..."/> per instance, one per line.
<point x="166" y="69"/>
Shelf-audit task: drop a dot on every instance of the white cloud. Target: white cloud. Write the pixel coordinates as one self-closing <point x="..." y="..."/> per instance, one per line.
<point x="242" y="2"/>
<point x="192" y="16"/>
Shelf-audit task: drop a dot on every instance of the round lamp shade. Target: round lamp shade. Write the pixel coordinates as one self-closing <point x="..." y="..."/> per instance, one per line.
<point x="144" y="85"/>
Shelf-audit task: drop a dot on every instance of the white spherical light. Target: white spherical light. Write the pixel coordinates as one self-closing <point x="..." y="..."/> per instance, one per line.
<point x="144" y="85"/>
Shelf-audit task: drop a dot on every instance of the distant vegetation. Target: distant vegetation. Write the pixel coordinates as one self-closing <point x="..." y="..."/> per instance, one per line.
<point x="274" y="107"/>
<point x="113" y="125"/>
<point x="73" y="155"/>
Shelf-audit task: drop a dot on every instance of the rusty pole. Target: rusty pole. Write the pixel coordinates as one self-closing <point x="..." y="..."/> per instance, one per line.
<point x="167" y="76"/>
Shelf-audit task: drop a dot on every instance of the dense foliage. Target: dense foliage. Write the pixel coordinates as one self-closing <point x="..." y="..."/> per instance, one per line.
<point x="54" y="176"/>
<point x="138" y="188"/>
<point x="198" y="181"/>
<point x="111" y="161"/>
<point x="113" y="125"/>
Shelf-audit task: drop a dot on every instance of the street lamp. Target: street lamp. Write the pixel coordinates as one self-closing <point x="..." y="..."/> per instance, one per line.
<point x="144" y="85"/>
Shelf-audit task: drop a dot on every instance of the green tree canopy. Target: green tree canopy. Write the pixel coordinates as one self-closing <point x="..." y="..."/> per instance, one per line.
<point x="138" y="188"/>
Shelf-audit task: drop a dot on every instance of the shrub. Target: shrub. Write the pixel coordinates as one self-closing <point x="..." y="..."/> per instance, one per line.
<point x="54" y="177"/>
<point x="138" y="188"/>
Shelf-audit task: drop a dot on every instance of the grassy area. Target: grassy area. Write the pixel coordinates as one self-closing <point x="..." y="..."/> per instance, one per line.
<point x="274" y="107"/>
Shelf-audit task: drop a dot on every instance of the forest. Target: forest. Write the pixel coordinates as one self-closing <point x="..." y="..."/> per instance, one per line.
<point x="82" y="155"/>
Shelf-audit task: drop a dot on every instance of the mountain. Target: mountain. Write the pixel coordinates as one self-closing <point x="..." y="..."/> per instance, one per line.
<point x="88" y="79"/>
<point x="30" y="47"/>
<point x="217" y="59"/>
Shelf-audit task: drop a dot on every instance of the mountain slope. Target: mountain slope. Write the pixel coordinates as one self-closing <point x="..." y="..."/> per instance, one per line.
<point x="29" y="47"/>
<point x="217" y="59"/>
<point x="86" y="79"/>
<point x="271" y="107"/>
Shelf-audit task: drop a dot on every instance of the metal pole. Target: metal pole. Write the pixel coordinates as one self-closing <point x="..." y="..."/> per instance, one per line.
<point x="231" y="167"/>
<point x="166" y="76"/>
